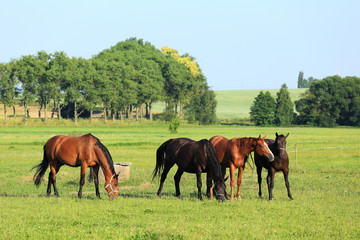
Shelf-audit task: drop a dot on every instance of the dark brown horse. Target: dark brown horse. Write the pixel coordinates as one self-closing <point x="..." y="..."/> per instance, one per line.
<point x="191" y="157"/>
<point x="280" y="163"/>
<point x="85" y="151"/>
<point x="233" y="154"/>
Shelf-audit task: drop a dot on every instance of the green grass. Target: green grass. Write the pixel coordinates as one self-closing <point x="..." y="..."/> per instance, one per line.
<point x="235" y="104"/>
<point x="325" y="186"/>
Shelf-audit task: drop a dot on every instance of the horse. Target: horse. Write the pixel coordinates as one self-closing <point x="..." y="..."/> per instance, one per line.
<point x="233" y="154"/>
<point x="192" y="157"/>
<point x="280" y="163"/>
<point x="85" y="151"/>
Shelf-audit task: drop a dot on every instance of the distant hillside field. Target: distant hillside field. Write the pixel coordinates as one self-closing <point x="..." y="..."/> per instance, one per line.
<point x="235" y="104"/>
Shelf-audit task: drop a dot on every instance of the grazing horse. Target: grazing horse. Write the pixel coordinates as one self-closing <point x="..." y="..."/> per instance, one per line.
<point x="280" y="163"/>
<point x="233" y="154"/>
<point x="85" y="151"/>
<point x="191" y="157"/>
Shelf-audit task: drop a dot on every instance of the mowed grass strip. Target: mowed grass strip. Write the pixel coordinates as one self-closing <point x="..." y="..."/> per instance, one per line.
<point x="325" y="186"/>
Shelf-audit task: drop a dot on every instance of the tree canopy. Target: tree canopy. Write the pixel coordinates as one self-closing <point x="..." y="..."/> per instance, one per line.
<point x="133" y="74"/>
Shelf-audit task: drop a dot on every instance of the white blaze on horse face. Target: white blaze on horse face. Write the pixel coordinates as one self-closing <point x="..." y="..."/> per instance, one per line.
<point x="271" y="154"/>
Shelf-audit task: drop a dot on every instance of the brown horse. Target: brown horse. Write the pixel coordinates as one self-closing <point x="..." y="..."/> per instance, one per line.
<point x="280" y="163"/>
<point x="85" y="151"/>
<point x="233" y="154"/>
<point x="191" y="157"/>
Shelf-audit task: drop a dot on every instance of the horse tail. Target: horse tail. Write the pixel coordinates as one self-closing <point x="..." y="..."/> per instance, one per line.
<point x="213" y="161"/>
<point x="40" y="169"/>
<point x="160" y="159"/>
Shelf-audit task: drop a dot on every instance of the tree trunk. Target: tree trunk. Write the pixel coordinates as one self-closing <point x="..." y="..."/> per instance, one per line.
<point x="75" y="112"/>
<point x="137" y="113"/>
<point x="91" y="116"/>
<point x="105" y="113"/>
<point x="147" y="111"/>
<point x="121" y="117"/>
<point x="5" y="113"/>
<point x="53" y="111"/>
<point x="14" y="109"/>
<point x="150" y="112"/>
<point x="176" y="106"/>
<point x="45" y="113"/>
<point x="41" y="106"/>
<point x="113" y="116"/>
<point x="25" y="114"/>
<point x="59" y="111"/>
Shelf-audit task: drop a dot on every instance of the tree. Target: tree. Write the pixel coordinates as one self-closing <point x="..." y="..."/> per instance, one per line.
<point x="300" y="83"/>
<point x="330" y="102"/>
<point x="262" y="109"/>
<point x="45" y="87"/>
<point x="73" y="84"/>
<point x="8" y="89"/>
<point x="284" y="111"/>
<point x="27" y="71"/>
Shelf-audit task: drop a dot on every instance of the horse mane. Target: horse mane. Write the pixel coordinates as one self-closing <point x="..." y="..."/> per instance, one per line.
<point x="106" y="153"/>
<point x="213" y="161"/>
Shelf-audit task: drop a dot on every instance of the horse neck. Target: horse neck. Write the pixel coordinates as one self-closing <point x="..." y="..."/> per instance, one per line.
<point x="106" y="168"/>
<point x="245" y="146"/>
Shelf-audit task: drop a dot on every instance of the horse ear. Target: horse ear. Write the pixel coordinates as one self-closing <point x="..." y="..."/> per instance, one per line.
<point x="117" y="174"/>
<point x="276" y="134"/>
<point x="287" y="135"/>
<point x="264" y="137"/>
<point x="259" y="137"/>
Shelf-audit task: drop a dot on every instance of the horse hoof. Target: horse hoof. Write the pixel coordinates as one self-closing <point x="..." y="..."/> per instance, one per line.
<point x="180" y="197"/>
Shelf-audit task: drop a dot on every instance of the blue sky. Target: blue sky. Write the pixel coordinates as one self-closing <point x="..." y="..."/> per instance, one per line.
<point x="239" y="45"/>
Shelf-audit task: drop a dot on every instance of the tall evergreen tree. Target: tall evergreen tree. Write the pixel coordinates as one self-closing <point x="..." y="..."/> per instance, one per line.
<point x="284" y="112"/>
<point x="262" y="109"/>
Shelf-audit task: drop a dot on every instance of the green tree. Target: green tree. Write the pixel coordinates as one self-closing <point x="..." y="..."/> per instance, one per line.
<point x="8" y="89"/>
<point x="262" y="110"/>
<point x="330" y="102"/>
<point x="45" y="87"/>
<point x="202" y="106"/>
<point x="27" y="71"/>
<point x="284" y="111"/>
<point x="73" y="84"/>
<point x="59" y="63"/>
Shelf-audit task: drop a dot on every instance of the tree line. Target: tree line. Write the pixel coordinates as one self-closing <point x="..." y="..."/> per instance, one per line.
<point x="128" y="77"/>
<point x="332" y="101"/>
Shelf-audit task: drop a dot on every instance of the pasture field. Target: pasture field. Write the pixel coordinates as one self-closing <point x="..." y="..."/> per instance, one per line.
<point x="325" y="186"/>
<point x="235" y="104"/>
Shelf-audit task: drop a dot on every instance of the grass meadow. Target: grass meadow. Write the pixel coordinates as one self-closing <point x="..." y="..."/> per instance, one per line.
<point x="324" y="183"/>
<point x="235" y="104"/>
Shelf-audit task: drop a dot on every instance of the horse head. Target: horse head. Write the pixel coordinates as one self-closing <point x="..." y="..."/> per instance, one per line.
<point x="262" y="148"/>
<point x="219" y="190"/>
<point x="280" y="143"/>
<point x="112" y="187"/>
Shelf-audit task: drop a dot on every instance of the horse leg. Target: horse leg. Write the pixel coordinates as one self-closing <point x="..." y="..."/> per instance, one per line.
<point x="241" y="170"/>
<point x="166" y="170"/>
<point x="209" y="192"/>
<point x="223" y="171"/>
<point x="96" y="180"/>
<point x="287" y="184"/>
<point x="199" y="184"/>
<point x="82" y="179"/>
<point x="258" y="170"/>
<point x="177" y="178"/>
<point x="270" y="182"/>
<point x="52" y="180"/>
<point x="232" y="181"/>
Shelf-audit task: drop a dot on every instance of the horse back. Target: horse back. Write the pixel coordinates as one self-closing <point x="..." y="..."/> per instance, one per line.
<point x="71" y="150"/>
<point x="220" y="145"/>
